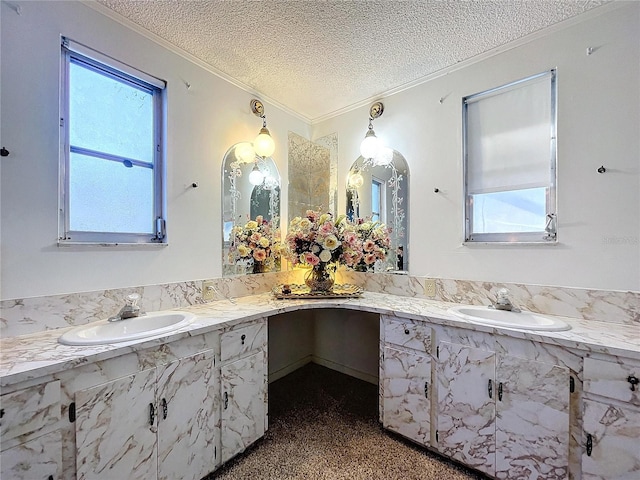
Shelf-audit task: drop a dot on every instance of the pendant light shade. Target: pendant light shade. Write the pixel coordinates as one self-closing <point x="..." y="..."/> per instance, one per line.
<point x="356" y="180"/>
<point x="370" y="145"/>
<point x="256" y="177"/>
<point x="264" y="144"/>
<point x="245" y="152"/>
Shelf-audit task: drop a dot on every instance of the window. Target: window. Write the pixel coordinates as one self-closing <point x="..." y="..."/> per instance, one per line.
<point x="376" y="200"/>
<point x="510" y="162"/>
<point x="111" y="182"/>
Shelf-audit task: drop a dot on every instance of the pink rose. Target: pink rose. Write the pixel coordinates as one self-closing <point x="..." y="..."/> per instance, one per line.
<point x="326" y="228"/>
<point x="369" y="246"/>
<point x="369" y="258"/>
<point x="311" y="215"/>
<point x="311" y="259"/>
<point x="350" y="238"/>
<point x="259" y="255"/>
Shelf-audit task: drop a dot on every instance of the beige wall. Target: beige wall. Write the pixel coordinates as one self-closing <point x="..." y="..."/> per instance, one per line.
<point x="598" y="124"/>
<point x="203" y="122"/>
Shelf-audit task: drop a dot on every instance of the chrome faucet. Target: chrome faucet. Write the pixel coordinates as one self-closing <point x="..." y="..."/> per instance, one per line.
<point x="131" y="309"/>
<point x="503" y="302"/>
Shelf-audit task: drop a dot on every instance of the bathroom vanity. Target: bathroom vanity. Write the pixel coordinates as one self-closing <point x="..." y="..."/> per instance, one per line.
<point x="509" y="403"/>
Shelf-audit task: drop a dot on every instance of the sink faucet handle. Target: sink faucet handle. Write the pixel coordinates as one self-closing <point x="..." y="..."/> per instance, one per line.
<point x="503" y="294"/>
<point x="132" y="299"/>
<point x="502" y="297"/>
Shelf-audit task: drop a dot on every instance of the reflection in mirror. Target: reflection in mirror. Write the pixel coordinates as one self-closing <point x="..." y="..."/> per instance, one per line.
<point x="312" y="174"/>
<point x="250" y="190"/>
<point x="380" y="192"/>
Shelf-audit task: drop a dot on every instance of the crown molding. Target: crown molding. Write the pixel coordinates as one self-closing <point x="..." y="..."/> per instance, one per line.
<point x="563" y="25"/>
<point x="191" y="58"/>
<point x="583" y="17"/>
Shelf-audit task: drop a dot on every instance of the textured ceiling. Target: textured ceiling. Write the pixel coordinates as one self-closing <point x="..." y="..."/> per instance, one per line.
<point x="318" y="57"/>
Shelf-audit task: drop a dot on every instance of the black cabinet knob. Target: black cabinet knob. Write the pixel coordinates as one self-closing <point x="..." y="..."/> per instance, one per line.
<point x="633" y="380"/>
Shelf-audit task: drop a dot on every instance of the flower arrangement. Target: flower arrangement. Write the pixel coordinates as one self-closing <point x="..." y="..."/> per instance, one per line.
<point x="315" y="239"/>
<point x="257" y="242"/>
<point x="366" y="243"/>
<point x="319" y="241"/>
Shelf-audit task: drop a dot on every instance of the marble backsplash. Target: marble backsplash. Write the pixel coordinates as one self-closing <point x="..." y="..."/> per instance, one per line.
<point x="597" y="305"/>
<point x="30" y="315"/>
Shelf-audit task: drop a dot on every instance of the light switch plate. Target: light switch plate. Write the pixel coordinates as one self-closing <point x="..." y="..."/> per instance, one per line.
<point x="208" y="290"/>
<point x="430" y="287"/>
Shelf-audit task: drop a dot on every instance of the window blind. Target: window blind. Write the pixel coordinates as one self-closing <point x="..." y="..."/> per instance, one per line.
<point x="509" y="136"/>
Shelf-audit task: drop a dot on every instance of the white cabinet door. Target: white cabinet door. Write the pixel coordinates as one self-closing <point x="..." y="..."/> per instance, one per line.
<point x="37" y="459"/>
<point x="466" y="406"/>
<point x="406" y="387"/>
<point x="532" y="425"/>
<point x="187" y="418"/>
<point x="612" y="448"/>
<point x="243" y="388"/>
<point x="115" y="434"/>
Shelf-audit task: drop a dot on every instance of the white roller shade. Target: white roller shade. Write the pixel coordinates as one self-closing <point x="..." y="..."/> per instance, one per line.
<point x="105" y="59"/>
<point x="509" y="136"/>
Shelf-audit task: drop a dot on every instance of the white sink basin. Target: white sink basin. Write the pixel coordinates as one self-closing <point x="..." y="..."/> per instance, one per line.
<point x="104" y="331"/>
<point x="502" y="318"/>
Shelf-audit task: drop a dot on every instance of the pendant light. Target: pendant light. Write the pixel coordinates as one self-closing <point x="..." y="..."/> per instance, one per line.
<point x="371" y="144"/>
<point x="263" y="144"/>
<point x="356" y="179"/>
<point x="245" y="152"/>
<point x="256" y="177"/>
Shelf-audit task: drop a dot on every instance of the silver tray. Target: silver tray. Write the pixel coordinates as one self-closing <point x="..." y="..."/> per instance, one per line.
<point x="302" y="291"/>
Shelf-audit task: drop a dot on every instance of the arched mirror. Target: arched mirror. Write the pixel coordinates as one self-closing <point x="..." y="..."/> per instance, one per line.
<point x="380" y="192"/>
<point x="250" y="205"/>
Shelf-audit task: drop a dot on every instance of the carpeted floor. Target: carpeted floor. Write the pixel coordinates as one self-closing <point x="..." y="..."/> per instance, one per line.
<point x="323" y="425"/>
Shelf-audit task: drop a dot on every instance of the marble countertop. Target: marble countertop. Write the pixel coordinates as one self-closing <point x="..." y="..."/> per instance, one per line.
<point x="37" y="355"/>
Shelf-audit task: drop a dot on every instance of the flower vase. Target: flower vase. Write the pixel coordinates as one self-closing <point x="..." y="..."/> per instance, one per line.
<point x="319" y="279"/>
<point x="258" y="267"/>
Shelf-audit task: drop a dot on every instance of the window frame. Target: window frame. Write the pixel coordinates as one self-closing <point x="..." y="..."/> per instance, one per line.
<point x="74" y="52"/>
<point x="379" y="184"/>
<point x="548" y="236"/>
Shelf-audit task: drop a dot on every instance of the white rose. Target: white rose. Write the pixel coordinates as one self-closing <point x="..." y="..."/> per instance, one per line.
<point x="331" y="242"/>
<point x="325" y="256"/>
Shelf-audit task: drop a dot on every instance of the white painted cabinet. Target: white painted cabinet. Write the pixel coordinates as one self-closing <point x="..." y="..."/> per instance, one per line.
<point x="503" y="415"/>
<point x="156" y="423"/>
<point x="37" y="459"/>
<point x="29" y="428"/>
<point x="405" y="378"/>
<point x="243" y="387"/>
<point x="406" y="387"/>
<point x="532" y="419"/>
<point x="466" y="409"/>
<point x="188" y="414"/>
<point x="243" y="407"/>
<point x="611" y="420"/>
<point x="115" y="429"/>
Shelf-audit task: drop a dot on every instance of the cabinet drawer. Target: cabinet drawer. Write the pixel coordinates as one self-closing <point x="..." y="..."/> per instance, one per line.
<point x="612" y="380"/>
<point x="242" y="340"/>
<point x="408" y="333"/>
<point x="30" y="412"/>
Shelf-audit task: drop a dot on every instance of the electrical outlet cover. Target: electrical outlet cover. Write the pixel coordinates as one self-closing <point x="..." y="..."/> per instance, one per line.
<point x="208" y="292"/>
<point x="430" y="287"/>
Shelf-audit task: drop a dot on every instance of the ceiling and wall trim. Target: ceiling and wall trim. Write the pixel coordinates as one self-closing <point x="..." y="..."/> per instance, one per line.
<point x="587" y="15"/>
